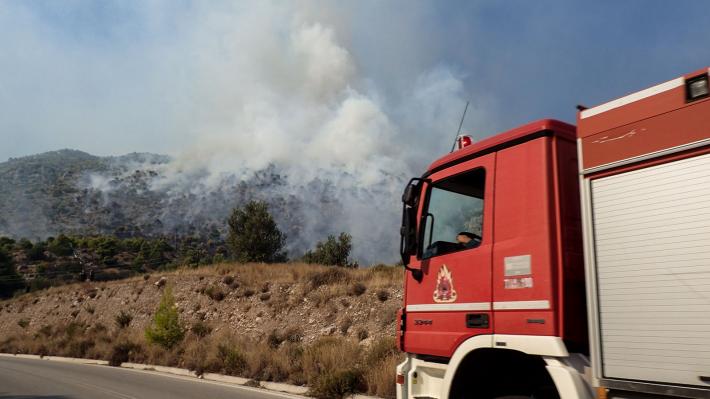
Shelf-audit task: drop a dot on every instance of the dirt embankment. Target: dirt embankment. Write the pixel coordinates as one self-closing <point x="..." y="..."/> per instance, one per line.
<point x="288" y="322"/>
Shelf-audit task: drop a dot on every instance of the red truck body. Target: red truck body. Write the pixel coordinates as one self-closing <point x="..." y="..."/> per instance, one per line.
<point x="529" y="273"/>
<point x="531" y="178"/>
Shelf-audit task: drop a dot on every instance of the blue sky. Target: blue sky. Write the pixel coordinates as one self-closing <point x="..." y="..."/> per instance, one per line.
<point x="115" y="77"/>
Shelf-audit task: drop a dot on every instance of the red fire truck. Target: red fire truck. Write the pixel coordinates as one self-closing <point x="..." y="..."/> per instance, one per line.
<point x="558" y="262"/>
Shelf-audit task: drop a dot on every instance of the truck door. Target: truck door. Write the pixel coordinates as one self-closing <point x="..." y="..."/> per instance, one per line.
<point x="452" y="302"/>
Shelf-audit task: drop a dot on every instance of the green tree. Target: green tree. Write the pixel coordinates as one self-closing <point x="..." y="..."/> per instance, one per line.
<point x="166" y="329"/>
<point x="332" y="251"/>
<point x="7" y="243"/>
<point x="36" y="251"/>
<point x="61" y="246"/>
<point x="152" y="254"/>
<point x="24" y="244"/>
<point x="254" y="236"/>
<point x="106" y="246"/>
<point x="10" y="280"/>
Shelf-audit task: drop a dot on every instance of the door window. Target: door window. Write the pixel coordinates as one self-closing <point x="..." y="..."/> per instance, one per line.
<point x="453" y="219"/>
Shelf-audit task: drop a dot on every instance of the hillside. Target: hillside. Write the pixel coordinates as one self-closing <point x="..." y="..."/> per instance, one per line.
<point x="288" y="322"/>
<point x="149" y="195"/>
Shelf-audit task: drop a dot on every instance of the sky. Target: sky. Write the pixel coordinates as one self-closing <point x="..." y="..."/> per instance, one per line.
<point x="287" y="81"/>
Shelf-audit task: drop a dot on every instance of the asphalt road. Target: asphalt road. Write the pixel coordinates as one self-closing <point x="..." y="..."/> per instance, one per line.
<point x="43" y="379"/>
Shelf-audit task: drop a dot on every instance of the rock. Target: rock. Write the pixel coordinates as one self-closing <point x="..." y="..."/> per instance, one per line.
<point x="161" y="282"/>
<point x="328" y="330"/>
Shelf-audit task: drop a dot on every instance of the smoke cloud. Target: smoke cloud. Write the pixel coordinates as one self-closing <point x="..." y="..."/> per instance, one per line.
<point x="234" y="90"/>
<point x="343" y="101"/>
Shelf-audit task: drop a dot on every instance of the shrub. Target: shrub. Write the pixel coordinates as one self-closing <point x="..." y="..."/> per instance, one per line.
<point x="265" y="287"/>
<point x="233" y="361"/>
<point x="328" y="355"/>
<point x="357" y="289"/>
<point x="333" y="251"/>
<point x="326" y="277"/>
<point x="215" y="293"/>
<point x="123" y="319"/>
<point x="120" y="353"/>
<point x="389" y="315"/>
<point x="166" y="329"/>
<point x="23" y="323"/>
<point x="362" y="334"/>
<point x="254" y="236"/>
<point x="46" y="331"/>
<point x="345" y="325"/>
<point x="79" y="348"/>
<point x="274" y="339"/>
<point x="293" y="334"/>
<point x="228" y="280"/>
<point x="200" y="329"/>
<point x="98" y="328"/>
<point x="380" y="349"/>
<point x="383" y="295"/>
<point x="71" y="329"/>
<point x="337" y="384"/>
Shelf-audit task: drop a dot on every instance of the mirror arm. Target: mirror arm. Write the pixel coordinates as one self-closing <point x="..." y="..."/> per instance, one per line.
<point x="417" y="274"/>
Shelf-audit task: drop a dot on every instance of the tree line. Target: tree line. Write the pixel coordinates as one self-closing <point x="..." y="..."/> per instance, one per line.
<point x="252" y="236"/>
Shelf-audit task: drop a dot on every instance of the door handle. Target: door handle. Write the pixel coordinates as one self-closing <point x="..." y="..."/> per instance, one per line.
<point x="477" y="320"/>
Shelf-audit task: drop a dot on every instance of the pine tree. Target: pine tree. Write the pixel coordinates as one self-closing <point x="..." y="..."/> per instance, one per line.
<point x="254" y="235"/>
<point x="166" y="329"/>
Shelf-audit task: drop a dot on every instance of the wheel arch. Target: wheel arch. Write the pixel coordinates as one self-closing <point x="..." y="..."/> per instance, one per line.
<point x="487" y="345"/>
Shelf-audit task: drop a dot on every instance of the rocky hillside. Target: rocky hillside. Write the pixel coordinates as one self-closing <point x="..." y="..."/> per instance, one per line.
<point x="273" y="316"/>
<point x="149" y="195"/>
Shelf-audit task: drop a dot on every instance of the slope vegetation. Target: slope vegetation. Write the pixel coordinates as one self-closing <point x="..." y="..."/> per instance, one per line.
<point x="326" y="327"/>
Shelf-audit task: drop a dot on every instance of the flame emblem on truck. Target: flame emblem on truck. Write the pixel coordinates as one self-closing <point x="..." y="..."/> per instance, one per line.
<point x="444" y="292"/>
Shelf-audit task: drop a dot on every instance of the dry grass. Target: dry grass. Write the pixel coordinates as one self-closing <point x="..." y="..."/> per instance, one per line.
<point x="351" y="360"/>
<point x="380" y="377"/>
<point x="254" y="275"/>
<point x="331" y="366"/>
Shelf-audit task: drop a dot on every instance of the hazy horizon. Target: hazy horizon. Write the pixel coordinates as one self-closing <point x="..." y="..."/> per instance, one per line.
<point x="355" y="97"/>
<point x="111" y="78"/>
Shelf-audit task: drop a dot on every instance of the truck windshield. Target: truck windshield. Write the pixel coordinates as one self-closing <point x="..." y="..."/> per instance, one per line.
<point x="454" y="215"/>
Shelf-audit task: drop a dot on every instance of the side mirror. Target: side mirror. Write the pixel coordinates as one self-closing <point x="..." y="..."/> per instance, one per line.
<point x="408" y="230"/>
<point x="411" y="193"/>
<point x="408" y="233"/>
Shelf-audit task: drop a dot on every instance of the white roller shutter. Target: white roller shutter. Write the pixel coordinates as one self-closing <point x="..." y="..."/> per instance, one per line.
<point x="652" y="239"/>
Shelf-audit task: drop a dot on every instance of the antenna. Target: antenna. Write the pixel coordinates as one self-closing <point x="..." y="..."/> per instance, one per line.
<point x="459" y="131"/>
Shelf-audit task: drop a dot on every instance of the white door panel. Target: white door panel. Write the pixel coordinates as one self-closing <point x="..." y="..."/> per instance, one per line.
<point x="652" y="251"/>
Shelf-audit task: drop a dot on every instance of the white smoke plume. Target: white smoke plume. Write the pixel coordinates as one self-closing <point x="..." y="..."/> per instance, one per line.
<point x="242" y="87"/>
<point x="280" y="87"/>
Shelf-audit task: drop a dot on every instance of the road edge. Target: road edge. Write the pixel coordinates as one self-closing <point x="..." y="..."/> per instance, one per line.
<point x="267" y="385"/>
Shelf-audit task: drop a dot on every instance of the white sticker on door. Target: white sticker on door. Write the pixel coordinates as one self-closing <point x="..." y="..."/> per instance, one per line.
<point x="517" y="265"/>
<point x="518" y="282"/>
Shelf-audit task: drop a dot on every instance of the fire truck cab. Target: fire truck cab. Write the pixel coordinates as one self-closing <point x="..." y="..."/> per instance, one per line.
<point x="518" y="286"/>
